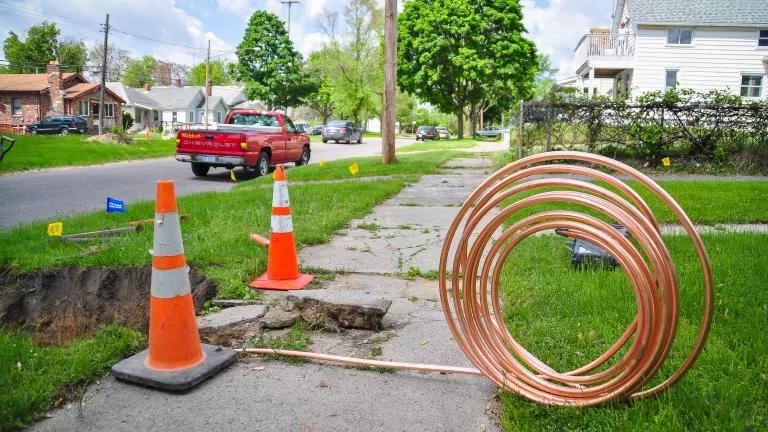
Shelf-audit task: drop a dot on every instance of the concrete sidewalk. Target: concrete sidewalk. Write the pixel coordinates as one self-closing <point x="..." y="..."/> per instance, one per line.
<point x="263" y="395"/>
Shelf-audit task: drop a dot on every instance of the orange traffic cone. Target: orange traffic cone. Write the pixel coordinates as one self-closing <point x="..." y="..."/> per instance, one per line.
<point x="282" y="263"/>
<point x="175" y="360"/>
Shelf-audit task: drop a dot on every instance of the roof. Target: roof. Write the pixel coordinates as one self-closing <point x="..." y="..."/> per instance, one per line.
<point x="83" y="88"/>
<point x="212" y="101"/>
<point x="741" y="13"/>
<point x="232" y="95"/>
<point x="28" y="82"/>
<point x="174" y="97"/>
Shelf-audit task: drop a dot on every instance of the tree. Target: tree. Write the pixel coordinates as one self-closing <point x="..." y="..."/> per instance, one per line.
<point x="166" y="73"/>
<point x="545" y="77"/>
<point x="41" y="46"/>
<point x="117" y="61"/>
<point x="269" y="65"/>
<point x="456" y="54"/>
<point x="139" y="72"/>
<point x="219" y="72"/>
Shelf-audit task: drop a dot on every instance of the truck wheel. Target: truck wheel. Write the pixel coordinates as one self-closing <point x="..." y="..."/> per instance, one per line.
<point x="304" y="157"/>
<point x="200" y="170"/>
<point x="262" y="165"/>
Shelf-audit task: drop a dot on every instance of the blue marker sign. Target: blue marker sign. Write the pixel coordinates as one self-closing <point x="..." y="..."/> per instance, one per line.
<point x="115" y="205"/>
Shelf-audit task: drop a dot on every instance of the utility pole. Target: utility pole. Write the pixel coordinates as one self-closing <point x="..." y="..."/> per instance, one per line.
<point x="289" y="3"/>
<point x="390" y="77"/>
<point x="103" y="77"/>
<point x="207" y="81"/>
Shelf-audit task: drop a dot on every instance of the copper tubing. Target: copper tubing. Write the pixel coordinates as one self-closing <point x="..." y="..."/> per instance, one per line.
<point x="469" y="287"/>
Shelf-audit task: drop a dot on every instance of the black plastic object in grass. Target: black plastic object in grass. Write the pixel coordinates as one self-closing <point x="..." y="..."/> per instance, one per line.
<point x="588" y="255"/>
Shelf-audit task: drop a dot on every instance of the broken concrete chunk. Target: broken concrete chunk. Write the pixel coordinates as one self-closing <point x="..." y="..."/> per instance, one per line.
<point x="231" y="324"/>
<point x="366" y="316"/>
<point x="277" y="318"/>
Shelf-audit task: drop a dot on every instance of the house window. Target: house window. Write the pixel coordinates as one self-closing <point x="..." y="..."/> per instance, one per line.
<point x="16" y="106"/>
<point x="109" y="110"/>
<point x="679" y="36"/>
<point x="173" y="117"/>
<point x="762" y="38"/>
<point x="191" y="116"/>
<point x="752" y="85"/>
<point x="670" y="80"/>
<point x="84" y="107"/>
<point x="219" y="117"/>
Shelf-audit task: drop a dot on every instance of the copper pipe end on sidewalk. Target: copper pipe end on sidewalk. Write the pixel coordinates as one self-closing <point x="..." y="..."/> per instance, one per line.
<point x="472" y="260"/>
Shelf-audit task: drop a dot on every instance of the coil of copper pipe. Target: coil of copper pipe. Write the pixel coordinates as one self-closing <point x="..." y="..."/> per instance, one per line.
<point x="469" y="286"/>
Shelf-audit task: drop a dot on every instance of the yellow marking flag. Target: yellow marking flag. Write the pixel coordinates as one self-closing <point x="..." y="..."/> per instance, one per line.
<point x="354" y="168"/>
<point x="232" y="175"/>
<point x="666" y="161"/>
<point x="322" y="162"/>
<point x="55" y="229"/>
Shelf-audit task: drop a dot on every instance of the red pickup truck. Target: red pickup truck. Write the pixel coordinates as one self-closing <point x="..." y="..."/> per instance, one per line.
<point x="248" y="138"/>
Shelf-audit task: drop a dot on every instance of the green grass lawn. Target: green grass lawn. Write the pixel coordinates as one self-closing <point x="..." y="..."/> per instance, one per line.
<point x="413" y="164"/>
<point x="32" y="377"/>
<point x="567" y="318"/>
<point x="47" y="151"/>
<point x="439" y="145"/>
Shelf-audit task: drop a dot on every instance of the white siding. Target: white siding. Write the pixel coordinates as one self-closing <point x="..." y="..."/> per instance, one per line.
<point x="714" y="61"/>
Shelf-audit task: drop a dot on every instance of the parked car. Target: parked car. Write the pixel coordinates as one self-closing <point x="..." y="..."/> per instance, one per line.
<point x="302" y="127"/>
<point x="59" y="125"/>
<point x="442" y="132"/>
<point x="248" y="138"/>
<point x="316" y="129"/>
<point x="342" y="130"/>
<point x="427" y="132"/>
<point x="490" y="132"/>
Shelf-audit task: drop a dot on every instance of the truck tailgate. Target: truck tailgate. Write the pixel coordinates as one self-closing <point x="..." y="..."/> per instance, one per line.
<point x="209" y="142"/>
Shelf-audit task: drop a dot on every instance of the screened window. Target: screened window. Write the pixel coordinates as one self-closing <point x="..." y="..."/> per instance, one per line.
<point x="679" y="36"/>
<point x="752" y="85"/>
<point x="84" y="108"/>
<point x="670" y="81"/>
<point x="762" y="39"/>
<point x="16" y="106"/>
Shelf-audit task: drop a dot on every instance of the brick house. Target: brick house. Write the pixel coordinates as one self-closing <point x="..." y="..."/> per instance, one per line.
<point x="28" y="98"/>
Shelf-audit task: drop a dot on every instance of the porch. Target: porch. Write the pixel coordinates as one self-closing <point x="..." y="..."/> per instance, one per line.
<point x="601" y="56"/>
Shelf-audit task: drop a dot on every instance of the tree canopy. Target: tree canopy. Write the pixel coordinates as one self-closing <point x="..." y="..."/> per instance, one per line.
<point x="269" y="65"/>
<point x="456" y="54"/>
<point x="219" y="70"/>
<point x="41" y="46"/>
<point x="139" y="72"/>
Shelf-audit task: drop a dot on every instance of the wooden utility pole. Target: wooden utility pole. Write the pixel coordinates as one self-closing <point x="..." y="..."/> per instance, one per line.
<point x="289" y="3"/>
<point x="207" y="81"/>
<point x="103" y="77"/>
<point x="390" y="77"/>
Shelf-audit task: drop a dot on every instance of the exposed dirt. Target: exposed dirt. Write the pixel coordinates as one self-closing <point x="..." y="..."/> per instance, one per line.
<point x="63" y="304"/>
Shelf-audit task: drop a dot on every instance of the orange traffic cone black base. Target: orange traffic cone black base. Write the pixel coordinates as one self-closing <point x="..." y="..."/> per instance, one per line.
<point x="175" y="360"/>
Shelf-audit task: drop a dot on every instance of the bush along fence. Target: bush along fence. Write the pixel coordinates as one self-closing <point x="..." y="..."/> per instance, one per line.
<point x="714" y="129"/>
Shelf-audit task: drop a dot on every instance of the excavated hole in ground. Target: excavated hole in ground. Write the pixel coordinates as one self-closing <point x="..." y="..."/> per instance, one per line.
<point x="63" y="304"/>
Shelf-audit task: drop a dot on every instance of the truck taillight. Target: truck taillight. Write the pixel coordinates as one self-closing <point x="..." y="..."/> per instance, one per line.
<point x="243" y="145"/>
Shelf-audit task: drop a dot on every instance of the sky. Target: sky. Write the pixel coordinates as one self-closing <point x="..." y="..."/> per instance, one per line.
<point x="181" y="29"/>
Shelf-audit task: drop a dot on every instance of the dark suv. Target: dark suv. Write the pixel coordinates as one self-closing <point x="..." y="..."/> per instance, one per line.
<point x="427" y="132"/>
<point x="59" y="125"/>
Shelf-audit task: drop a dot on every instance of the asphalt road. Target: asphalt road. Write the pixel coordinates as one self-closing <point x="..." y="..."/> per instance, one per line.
<point x="61" y="192"/>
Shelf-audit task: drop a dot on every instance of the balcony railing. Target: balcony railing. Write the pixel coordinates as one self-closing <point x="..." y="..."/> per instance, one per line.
<point x="605" y="47"/>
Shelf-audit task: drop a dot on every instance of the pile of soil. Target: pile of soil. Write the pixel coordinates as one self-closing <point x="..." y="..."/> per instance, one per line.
<point x="63" y="304"/>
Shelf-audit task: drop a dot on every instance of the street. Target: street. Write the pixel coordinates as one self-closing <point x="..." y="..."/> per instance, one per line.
<point x="62" y="192"/>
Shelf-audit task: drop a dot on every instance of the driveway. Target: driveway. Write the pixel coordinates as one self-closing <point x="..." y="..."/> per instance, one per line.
<point x="62" y="192"/>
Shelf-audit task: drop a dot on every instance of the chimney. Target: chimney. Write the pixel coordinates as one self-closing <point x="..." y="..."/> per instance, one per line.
<point x="178" y="82"/>
<point x="55" y="90"/>
<point x="146" y="87"/>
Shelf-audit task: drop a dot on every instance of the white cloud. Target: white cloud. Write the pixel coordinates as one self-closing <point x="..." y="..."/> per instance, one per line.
<point x="557" y="27"/>
<point x="239" y="7"/>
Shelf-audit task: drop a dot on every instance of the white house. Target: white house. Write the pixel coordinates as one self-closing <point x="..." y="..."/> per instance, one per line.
<point x="662" y="44"/>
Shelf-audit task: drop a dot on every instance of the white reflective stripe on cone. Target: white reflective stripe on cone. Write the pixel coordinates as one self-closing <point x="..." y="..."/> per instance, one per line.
<point x="280" y="194"/>
<point x="167" y="241"/>
<point x="170" y="283"/>
<point x="282" y="224"/>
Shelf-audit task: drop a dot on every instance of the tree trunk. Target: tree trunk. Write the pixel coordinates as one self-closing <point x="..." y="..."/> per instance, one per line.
<point x="460" y="121"/>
